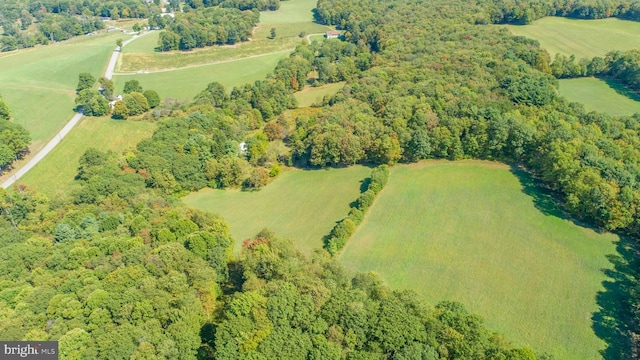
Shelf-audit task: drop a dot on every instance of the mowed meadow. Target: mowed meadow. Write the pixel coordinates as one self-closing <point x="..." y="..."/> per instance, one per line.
<point x="482" y="234"/>
<point x="301" y="205"/>
<point x="582" y="38"/>
<point x="601" y="95"/>
<point x="187" y="82"/>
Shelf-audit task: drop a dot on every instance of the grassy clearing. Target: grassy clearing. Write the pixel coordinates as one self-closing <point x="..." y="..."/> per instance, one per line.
<point x="312" y="95"/>
<point x="480" y="234"/>
<point x="293" y="18"/>
<point x="153" y="61"/>
<point x="39" y="84"/>
<point x="186" y="83"/>
<point x="302" y="205"/>
<point x="582" y="38"/>
<point x="601" y="95"/>
<point x="54" y="175"/>
<point x="290" y="12"/>
<point x="144" y="44"/>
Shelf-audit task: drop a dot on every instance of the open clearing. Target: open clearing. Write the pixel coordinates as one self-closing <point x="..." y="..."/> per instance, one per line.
<point x="582" y="38"/>
<point x="312" y="95"/>
<point x="293" y="18"/>
<point x="188" y="82"/>
<point x="478" y="233"/>
<point x="601" y="95"/>
<point x="39" y="84"/>
<point x="144" y="44"/>
<point x="301" y="205"/>
<point x="54" y="175"/>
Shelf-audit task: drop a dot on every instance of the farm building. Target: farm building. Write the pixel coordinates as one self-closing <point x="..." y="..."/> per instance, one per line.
<point x="332" y="34"/>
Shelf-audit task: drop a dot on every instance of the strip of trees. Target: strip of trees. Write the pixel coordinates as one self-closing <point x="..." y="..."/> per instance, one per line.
<point x="524" y="12"/>
<point x="206" y="27"/>
<point x="342" y="231"/>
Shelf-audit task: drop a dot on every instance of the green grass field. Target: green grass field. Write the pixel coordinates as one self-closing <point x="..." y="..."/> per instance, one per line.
<point x="186" y="83"/>
<point x="39" y="84"/>
<point x="144" y="44"/>
<point x="290" y="12"/>
<point x="582" y="38"/>
<point x="471" y="232"/>
<point x="312" y="95"/>
<point x="54" y="175"/>
<point x="601" y="95"/>
<point x="301" y="205"/>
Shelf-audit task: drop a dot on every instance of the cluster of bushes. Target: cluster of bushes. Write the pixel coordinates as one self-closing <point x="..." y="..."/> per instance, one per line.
<point x="343" y="230"/>
<point x="206" y="27"/>
<point x="135" y="101"/>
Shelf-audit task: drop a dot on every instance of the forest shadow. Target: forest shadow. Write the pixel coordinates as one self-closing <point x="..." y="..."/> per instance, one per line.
<point x="621" y="89"/>
<point x="543" y="198"/>
<point x="615" y="322"/>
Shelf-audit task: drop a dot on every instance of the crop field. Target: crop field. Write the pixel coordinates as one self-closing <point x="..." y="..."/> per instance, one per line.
<point x="39" y="84"/>
<point x="484" y="235"/>
<point x="301" y="205"/>
<point x="293" y="18"/>
<point x="582" y="38"/>
<point x="54" y="175"/>
<point x="187" y="82"/>
<point x="312" y="95"/>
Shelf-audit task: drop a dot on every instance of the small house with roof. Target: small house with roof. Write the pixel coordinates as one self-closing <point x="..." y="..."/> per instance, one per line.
<point x="332" y="34"/>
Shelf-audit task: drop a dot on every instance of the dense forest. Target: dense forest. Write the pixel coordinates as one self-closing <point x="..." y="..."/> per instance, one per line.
<point x="125" y="264"/>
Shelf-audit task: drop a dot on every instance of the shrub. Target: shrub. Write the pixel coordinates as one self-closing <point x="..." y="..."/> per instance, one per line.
<point x="365" y="200"/>
<point x="152" y="98"/>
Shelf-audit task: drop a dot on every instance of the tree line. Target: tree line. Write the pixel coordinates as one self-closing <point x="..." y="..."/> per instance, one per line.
<point x="623" y="66"/>
<point x="525" y="11"/>
<point x="206" y="27"/>
<point x="261" y="5"/>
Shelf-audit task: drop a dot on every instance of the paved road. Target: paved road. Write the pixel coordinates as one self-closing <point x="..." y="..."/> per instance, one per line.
<point x="40" y="155"/>
<point x="65" y="130"/>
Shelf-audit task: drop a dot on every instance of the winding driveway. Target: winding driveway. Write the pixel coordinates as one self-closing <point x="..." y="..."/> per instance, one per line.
<point x="67" y="128"/>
